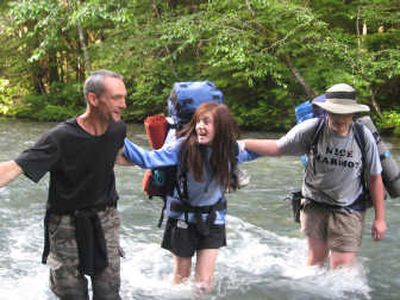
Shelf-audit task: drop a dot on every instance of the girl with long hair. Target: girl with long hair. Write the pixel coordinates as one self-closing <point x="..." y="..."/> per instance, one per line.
<point x="206" y="155"/>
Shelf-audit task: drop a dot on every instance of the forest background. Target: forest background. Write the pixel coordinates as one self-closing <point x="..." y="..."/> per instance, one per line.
<point x="267" y="56"/>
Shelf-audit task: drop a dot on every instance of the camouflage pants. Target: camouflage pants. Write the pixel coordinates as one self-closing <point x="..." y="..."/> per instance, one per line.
<point x="65" y="279"/>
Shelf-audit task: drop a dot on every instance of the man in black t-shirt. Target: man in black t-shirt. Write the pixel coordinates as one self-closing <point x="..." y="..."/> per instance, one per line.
<point x="81" y="223"/>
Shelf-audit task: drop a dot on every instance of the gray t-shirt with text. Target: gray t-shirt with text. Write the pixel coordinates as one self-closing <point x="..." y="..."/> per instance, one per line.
<point x="334" y="175"/>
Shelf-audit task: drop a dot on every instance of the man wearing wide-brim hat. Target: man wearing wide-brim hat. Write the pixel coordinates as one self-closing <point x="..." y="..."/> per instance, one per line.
<point x="334" y="186"/>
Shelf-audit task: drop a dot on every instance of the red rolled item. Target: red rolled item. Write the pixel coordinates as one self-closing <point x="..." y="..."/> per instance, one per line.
<point x="156" y="130"/>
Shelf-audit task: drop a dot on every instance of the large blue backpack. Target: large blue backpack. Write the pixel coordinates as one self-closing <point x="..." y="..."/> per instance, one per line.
<point x="187" y="96"/>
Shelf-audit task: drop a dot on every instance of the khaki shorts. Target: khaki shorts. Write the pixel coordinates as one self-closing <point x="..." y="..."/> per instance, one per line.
<point x="341" y="229"/>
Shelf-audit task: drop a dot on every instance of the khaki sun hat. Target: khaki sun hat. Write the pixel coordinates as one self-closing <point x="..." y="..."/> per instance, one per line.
<point x="341" y="99"/>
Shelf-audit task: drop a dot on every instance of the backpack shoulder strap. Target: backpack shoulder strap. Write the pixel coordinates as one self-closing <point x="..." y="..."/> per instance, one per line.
<point x="313" y="147"/>
<point x="359" y="136"/>
<point x="181" y="182"/>
<point x="237" y="149"/>
<point x="360" y="140"/>
<point x="317" y="133"/>
<point x="234" y="169"/>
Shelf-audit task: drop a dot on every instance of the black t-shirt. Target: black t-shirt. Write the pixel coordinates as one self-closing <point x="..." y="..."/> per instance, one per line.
<point x="81" y="165"/>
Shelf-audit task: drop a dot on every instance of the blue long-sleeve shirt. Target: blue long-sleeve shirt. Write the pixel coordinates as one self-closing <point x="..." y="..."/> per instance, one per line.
<point x="205" y="193"/>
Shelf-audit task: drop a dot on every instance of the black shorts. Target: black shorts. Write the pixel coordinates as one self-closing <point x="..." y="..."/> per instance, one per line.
<point x="182" y="238"/>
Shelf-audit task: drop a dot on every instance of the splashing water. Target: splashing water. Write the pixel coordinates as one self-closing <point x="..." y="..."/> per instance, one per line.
<point x="254" y="258"/>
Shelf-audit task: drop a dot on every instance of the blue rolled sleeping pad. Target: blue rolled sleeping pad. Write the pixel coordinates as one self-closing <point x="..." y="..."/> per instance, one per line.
<point x="307" y="110"/>
<point x="303" y="112"/>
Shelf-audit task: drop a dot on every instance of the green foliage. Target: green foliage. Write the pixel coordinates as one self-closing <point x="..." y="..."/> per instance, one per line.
<point x="390" y="120"/>
<point x="5" y="97"/>
<point x="266" y="55"/>
<point x="69" y="95"/>
<point x="47" y="113"/>
<point x="10" y="96"/>
<point x="264" y="114"/>
<point x="64" y="102"/>
<point x="370" y="31"/>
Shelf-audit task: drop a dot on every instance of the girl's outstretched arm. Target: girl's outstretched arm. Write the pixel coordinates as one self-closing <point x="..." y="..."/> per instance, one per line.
<point x="121" y="159"/>
<point x="149" y="159"/>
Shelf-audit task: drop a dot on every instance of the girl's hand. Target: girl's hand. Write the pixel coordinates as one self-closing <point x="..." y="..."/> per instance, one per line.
<point x="241" y="144"/>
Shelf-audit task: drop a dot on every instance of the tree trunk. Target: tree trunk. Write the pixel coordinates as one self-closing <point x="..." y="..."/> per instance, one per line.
<point x="157" y="13"/>
<point x="53" y="68"/>
<point x="37" y="80"/>
<point x="298" y="77"/>
<point x="82" y="39"/>
<point x="375" y="104"/>
<point x="86" y="55"/>
<point x="360" y="39"/>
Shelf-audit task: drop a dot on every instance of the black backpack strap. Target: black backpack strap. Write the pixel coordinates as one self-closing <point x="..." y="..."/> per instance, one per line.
<point x="161" y="219"/>
<point x="181" y="184"/>
<point x="234" y="169"/>
<point x="314" y="141"/>
<point x="364" y="201"/>
<point x="171" y="126"/>
<point x="360" y="137"/>
<point x="360" y="140"/>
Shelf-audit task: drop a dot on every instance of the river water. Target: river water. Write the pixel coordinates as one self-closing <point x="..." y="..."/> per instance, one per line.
<point x="264" y="259"/>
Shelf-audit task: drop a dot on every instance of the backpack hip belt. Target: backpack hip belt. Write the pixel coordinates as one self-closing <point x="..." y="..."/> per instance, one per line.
<point x="202" y="227"/>
<point x="181" y="207"/>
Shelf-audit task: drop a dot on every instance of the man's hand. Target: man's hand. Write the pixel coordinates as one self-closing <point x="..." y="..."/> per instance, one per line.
<point x="121" y="159"/>
<point x="378" y="230"/>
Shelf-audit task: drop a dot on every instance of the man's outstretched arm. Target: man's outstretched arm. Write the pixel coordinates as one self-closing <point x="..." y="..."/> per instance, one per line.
<point x="9" y="170"/>
<point x="262" y="147"/>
